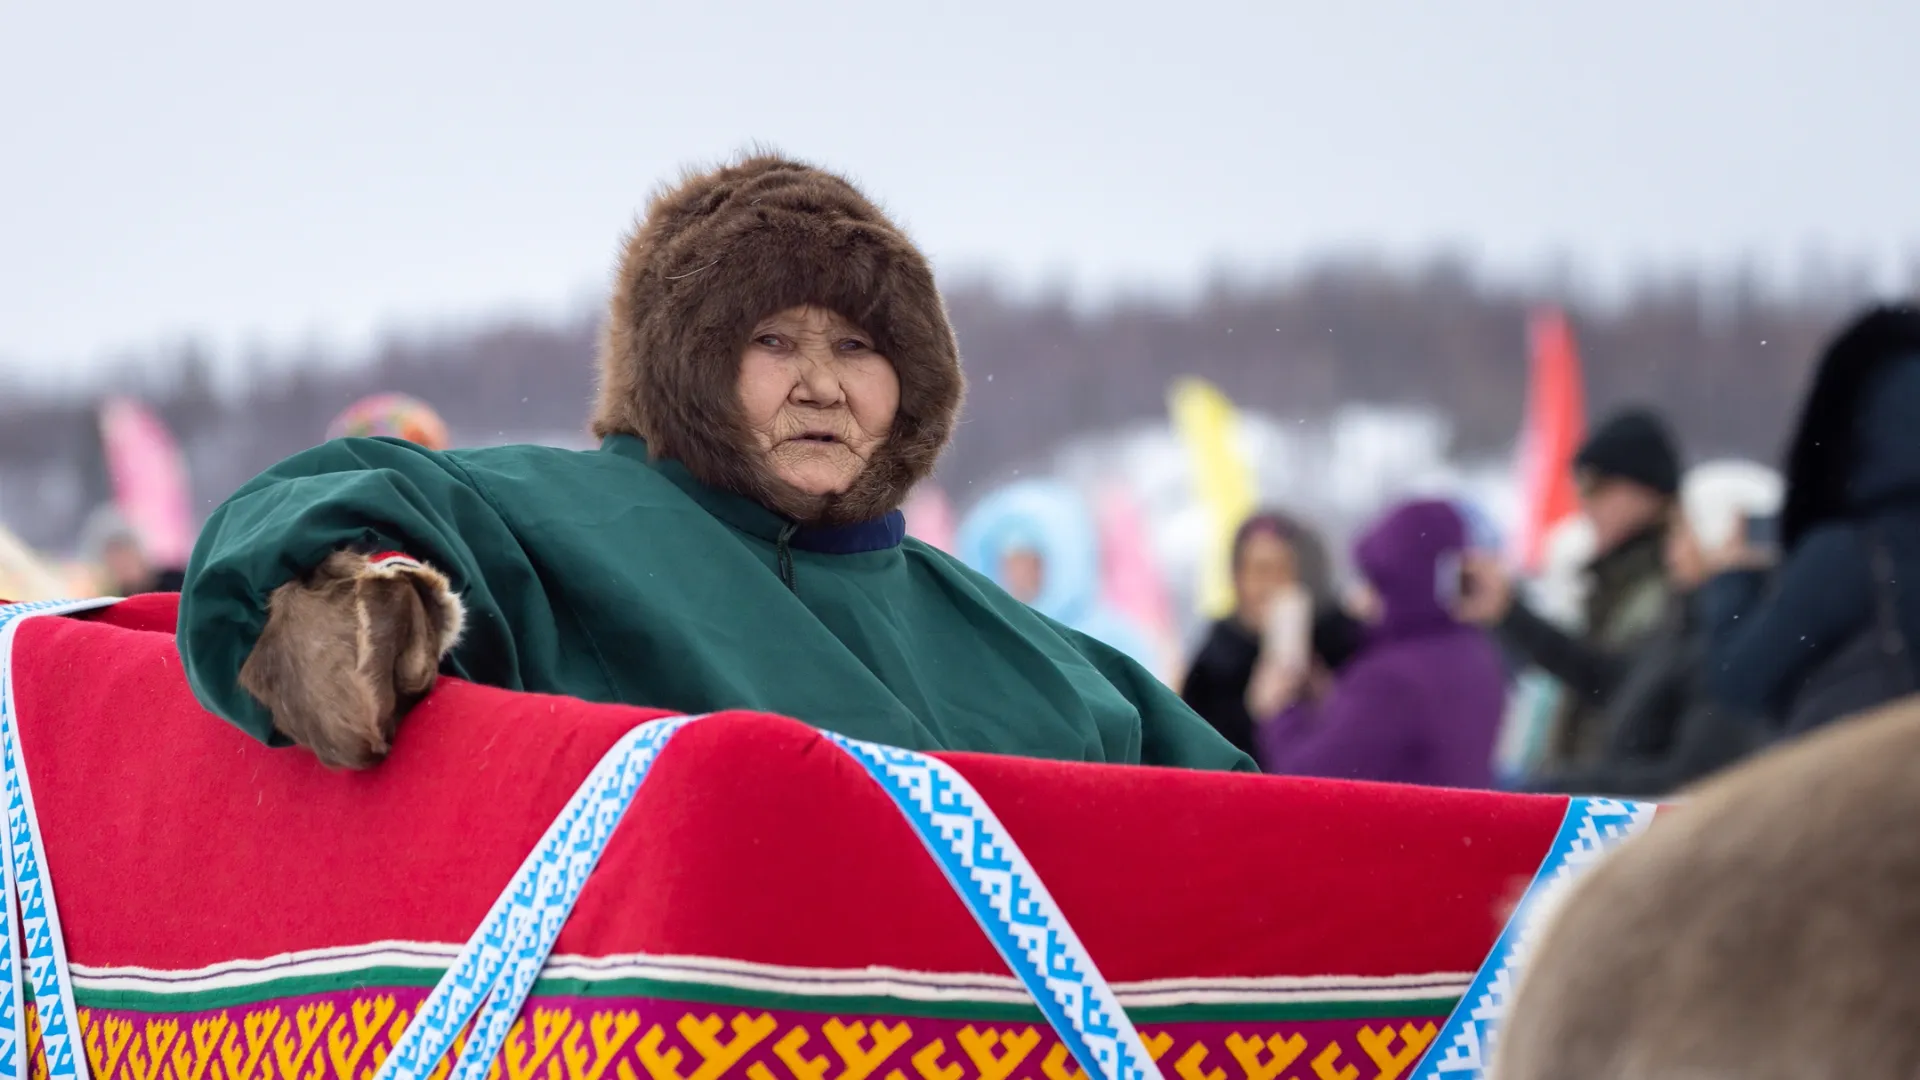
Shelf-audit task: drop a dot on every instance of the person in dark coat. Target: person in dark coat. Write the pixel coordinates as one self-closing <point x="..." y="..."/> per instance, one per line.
<point x="1831" y="633"/>
<point x="1664" y="730"/>
<point x="1421" y="702"/>
<point x="1271" y="552"/>
<point x="1629" y="475"/>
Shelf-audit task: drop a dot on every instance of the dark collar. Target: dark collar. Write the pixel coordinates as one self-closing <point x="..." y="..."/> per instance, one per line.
<point x="750" y="517"/>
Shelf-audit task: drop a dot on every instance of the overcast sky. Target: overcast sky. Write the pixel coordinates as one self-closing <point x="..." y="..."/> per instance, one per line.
<point x="268" y="172"/>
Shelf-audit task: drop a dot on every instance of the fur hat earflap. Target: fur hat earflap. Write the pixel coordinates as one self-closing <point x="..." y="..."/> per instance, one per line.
<point x="723" y="250"/>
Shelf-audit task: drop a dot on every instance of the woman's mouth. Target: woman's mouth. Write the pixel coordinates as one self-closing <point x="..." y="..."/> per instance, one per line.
<point x="816" y="437"/>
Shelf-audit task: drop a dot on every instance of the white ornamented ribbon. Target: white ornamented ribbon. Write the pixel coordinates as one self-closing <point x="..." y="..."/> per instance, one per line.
<point x="1464" y="1046"/>
<point x="29" y="914"/>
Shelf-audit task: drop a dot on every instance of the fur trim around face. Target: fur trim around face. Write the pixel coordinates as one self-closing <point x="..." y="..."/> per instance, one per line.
<point x="723" y="250"/>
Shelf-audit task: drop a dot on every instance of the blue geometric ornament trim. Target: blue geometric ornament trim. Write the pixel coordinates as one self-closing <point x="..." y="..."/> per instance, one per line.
<point x="29" y="912"/>
<point x="1465" y="1044"/>
<point x="1004" y="894"/>
<point x="499" y="965"/>
<point x="495" y="971"/>
<point x="497" y="968"/>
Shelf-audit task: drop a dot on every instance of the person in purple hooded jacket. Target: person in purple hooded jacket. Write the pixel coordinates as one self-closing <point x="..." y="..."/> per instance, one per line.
<point x="1421" y="702"/>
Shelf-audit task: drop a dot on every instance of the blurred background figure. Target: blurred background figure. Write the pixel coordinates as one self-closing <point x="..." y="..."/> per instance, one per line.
<point x="1273" y="556"/>
<point x="1832" y="634"/>
<point x="1037" y="539"/>
<point x="1421" y="701"/>
<point x="113" y="548"/>
<point x="1628" y="474"/>
<point x="395" y="416"/>
<point x="1661" y="728"/>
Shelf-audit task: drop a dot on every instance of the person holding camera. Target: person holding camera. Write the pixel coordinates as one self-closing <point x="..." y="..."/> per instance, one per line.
<point x="1420" y="701"/>
<point x="1629" y="477"/>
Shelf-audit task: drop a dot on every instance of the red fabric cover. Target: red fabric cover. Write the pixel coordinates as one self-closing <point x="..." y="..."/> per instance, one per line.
<point x="174" y="841"/>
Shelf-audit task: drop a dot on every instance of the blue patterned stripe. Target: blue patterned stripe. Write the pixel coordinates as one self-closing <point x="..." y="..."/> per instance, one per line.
<point x="989" y="872"/>
<point x="496" y="969"/>
<point x="519" y="931"/>
<point x="565" y="867"/>
<point x="26" y="884"/>
<point x="986" y="868"/>
<point x="1465" y="1044"/>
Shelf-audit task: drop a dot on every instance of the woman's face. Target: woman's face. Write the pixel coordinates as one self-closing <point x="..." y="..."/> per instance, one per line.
<point x="1022" y="573"/>
<point x="817" y="397"/>
<point x="1618" y="509"/>
<point x="1266" y="567"/>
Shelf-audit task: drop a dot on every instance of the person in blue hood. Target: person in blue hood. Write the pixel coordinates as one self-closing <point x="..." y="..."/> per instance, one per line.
<point x="1831" y="633"/>
<point x="1037" y="540"/>
<point x="1421" y="702"/>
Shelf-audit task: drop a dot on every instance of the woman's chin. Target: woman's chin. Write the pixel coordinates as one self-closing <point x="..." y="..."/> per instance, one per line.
<point x="817" y="483"/>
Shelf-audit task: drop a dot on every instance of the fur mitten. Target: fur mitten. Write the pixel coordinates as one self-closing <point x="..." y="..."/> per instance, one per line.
<point x="349" y="650"/>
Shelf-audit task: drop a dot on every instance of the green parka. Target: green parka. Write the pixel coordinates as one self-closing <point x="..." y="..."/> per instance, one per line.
<point x="610" y="577"/>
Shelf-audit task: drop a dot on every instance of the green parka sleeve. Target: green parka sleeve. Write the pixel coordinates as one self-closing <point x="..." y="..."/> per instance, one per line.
<point x="370" y="494"/>
<point x="1171" y="733"/>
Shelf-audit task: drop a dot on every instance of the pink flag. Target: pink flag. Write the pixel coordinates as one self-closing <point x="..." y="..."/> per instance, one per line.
<point x="1130" y="579"/>
<point x="930" y="516"/>
<point x="149" y="477"/>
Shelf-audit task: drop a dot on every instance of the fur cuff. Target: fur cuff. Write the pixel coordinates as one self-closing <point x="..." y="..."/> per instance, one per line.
<point x="434" y="589"/>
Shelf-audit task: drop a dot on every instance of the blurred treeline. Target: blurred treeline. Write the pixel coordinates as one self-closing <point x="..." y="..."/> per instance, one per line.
<point x="1724" y="356"/>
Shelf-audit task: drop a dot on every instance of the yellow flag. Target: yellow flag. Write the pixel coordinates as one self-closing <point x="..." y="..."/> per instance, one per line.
<point x="1209" y="426"/>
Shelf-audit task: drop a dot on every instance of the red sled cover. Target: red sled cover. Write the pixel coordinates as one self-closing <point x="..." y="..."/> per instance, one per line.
<point x="233" y="912"/>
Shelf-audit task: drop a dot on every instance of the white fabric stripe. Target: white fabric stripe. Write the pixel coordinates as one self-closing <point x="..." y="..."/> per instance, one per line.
<point x="767" y="978"/>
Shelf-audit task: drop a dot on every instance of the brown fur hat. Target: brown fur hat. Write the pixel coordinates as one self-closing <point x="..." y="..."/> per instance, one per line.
<point x="726" y="248"/>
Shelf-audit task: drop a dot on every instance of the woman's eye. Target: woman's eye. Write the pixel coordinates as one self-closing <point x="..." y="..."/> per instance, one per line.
<point x="768" y="341"/>
<point x="854" y="345"/>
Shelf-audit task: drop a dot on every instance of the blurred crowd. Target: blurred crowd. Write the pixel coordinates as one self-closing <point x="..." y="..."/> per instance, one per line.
<point x="1712" y="613"/>
<point x="1697" y="638"/>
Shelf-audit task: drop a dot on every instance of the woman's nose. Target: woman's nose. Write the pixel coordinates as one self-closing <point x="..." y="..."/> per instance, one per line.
<point x="817" y="384"/>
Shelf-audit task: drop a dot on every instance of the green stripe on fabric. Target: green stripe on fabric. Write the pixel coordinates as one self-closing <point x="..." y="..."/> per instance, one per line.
<point x="161" y="1001"/>
<point x="707" y="994"/>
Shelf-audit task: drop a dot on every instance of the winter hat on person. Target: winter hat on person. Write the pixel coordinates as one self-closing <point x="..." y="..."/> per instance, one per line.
<point x="394" y="416"/>
<point x="1411" y="558"/>
<point x="724" y="249"/>
<point x="1634" y="444"/>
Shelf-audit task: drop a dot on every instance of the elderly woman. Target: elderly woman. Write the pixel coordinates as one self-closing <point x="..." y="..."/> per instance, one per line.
<point x="777" y="372"/>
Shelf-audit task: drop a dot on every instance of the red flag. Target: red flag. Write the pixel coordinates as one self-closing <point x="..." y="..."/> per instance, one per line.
<point x="1555" y="424"/>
